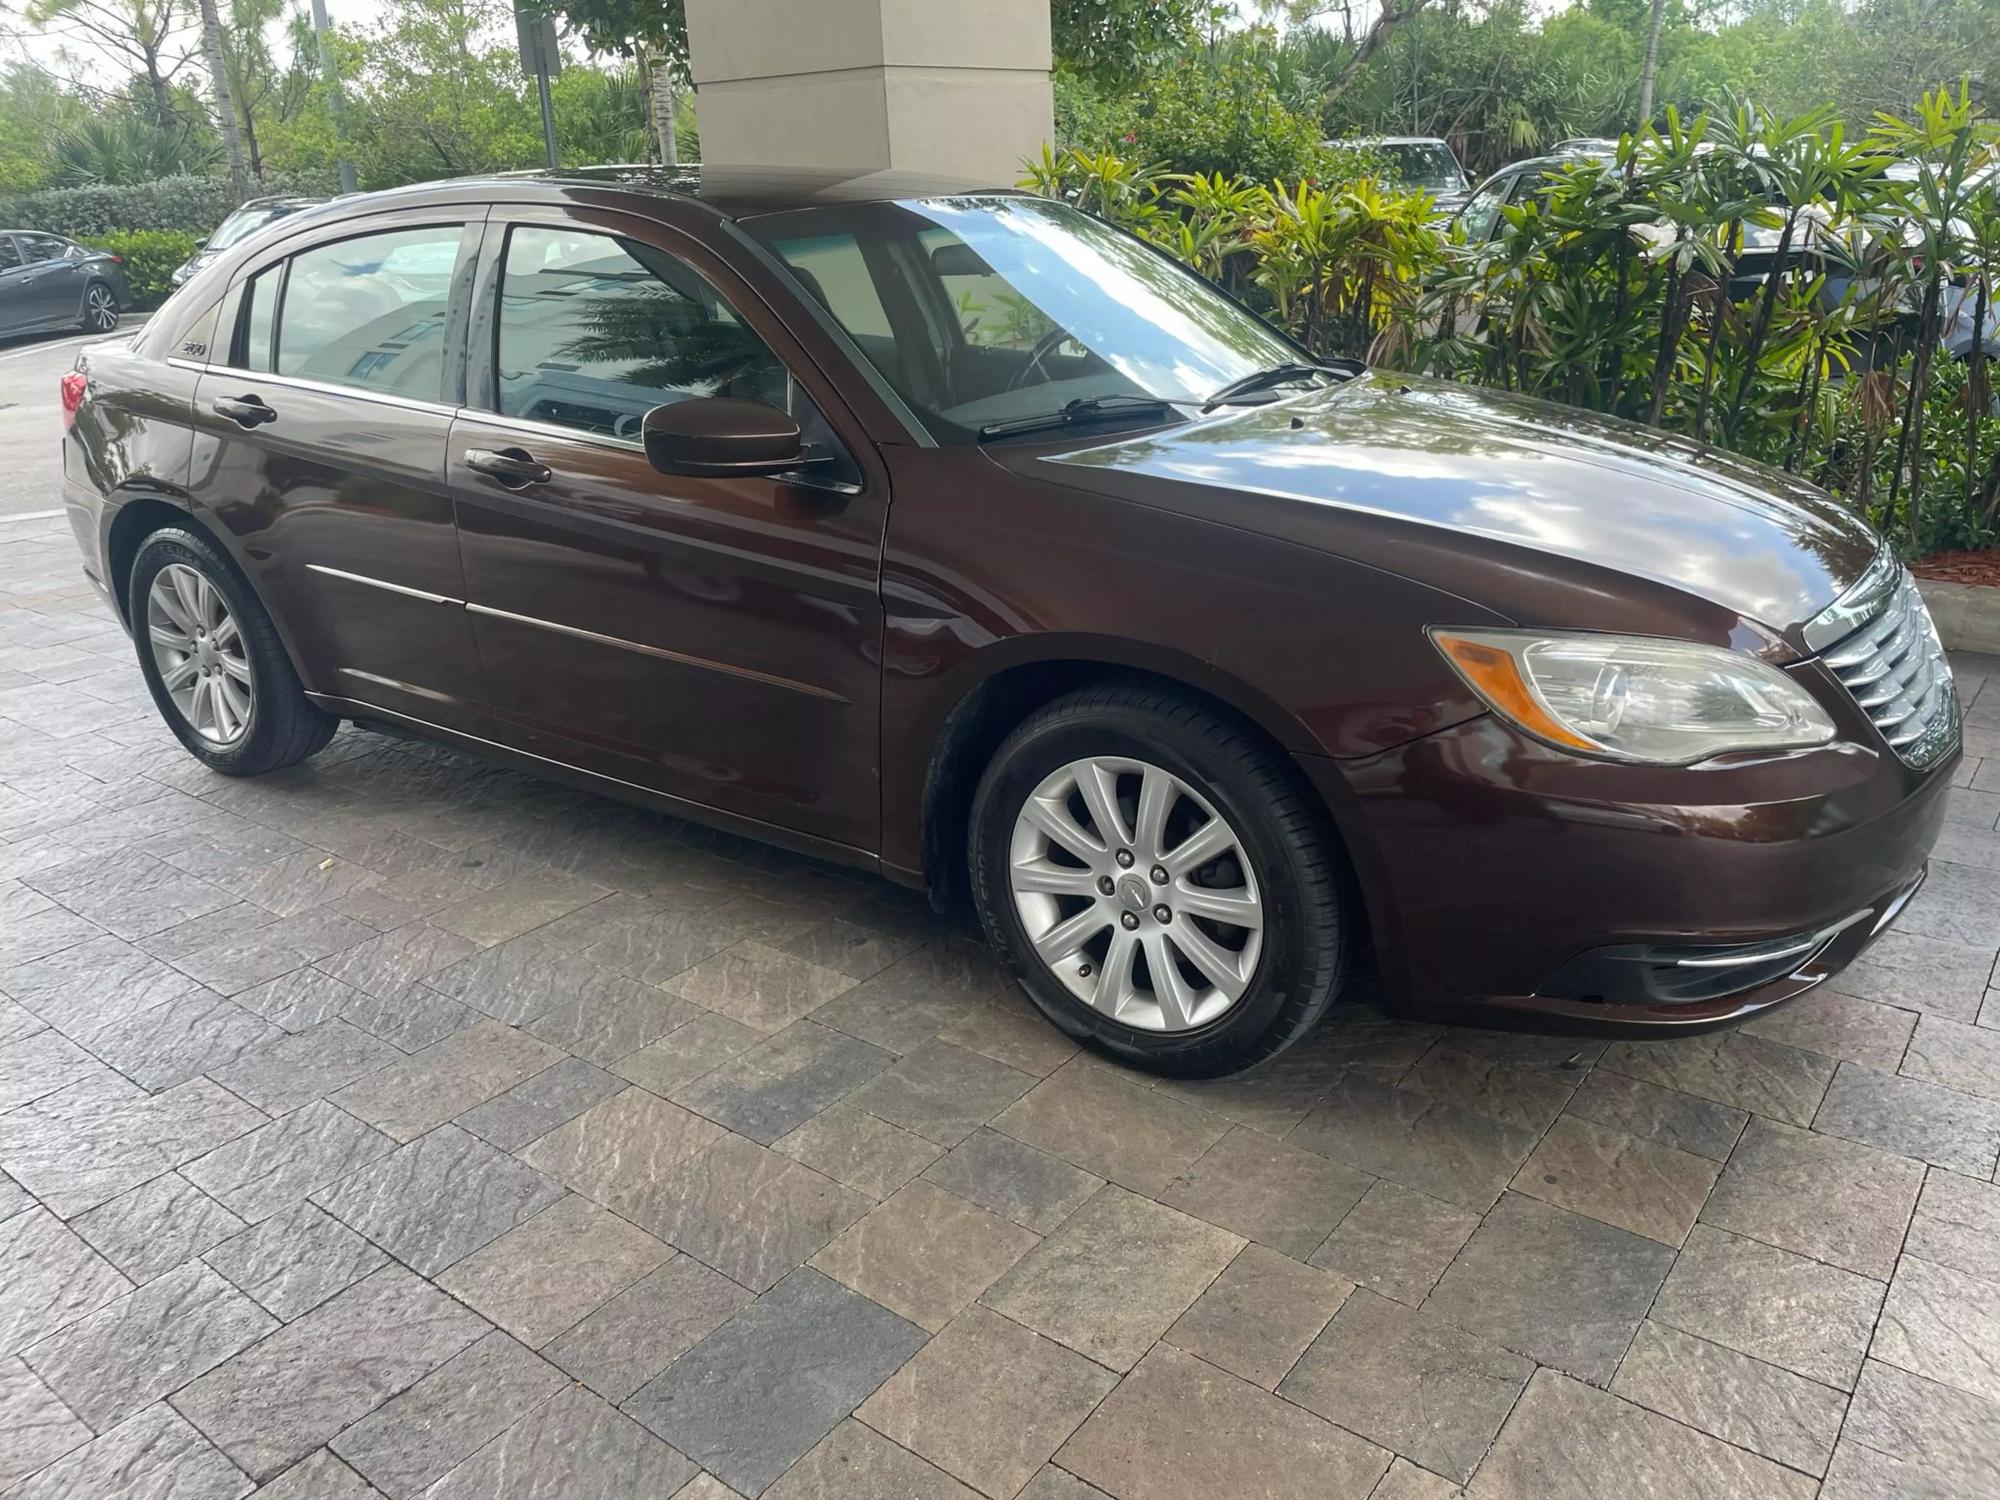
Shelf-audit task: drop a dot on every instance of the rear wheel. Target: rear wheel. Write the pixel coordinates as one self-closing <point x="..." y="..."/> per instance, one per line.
<point x="213" y="661"/>
<point x="1157" y="882"/>
<point x="100" y="308"/>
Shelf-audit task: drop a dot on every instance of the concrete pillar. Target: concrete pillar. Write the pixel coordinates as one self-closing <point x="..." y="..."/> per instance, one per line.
<point x="948" y="88"/>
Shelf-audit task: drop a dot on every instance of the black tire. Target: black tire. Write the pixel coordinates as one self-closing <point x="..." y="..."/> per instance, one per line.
<point x="284" y="727"/>
<point x="1307" y="922"/>
<point x="100" y="303"/>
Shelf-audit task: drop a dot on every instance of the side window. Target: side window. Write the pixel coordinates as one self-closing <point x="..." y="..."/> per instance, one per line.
<point x="369" y="312"/>
<point x="990" y="312"/>
<point x="39" y="247"/>
<point x="9" y="256"/>
<point x="260" y="312"/>
<point x="595" y="331"/>
<point x="1477" y="217"/>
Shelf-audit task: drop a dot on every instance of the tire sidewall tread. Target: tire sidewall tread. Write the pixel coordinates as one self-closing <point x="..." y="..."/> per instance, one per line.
<point x="1283" y="831"/>
<point x="285" y="726"/>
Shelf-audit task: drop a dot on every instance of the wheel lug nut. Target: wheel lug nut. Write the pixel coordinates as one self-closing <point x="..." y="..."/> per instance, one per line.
<point x="1159" y="874"/>
<point x="1106" y="884"/>
<point x="1125" y="859"/>
<point x="1130" y="919"/>
<point x="1163" y="914"/>
<point x="1083" y="971"/>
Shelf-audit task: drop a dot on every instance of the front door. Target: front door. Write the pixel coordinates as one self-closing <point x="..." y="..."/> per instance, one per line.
<point x="55" y="282"/>
<point x="320" y="449"/>
<point x="715" y="640"/>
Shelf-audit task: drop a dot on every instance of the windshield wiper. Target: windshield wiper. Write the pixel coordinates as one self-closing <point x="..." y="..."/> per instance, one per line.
<point x="1082" y="409"/>
<point x="1261" y="380"/>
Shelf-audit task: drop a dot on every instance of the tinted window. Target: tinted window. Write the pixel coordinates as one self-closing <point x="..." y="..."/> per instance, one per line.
<point x="247" y="221"/>
<point x="595" y="331"/>
<point x="370" y="311"/>
<point x="260" y="306"/>
<point x="43" y="247"/>
<point x="9" y="256"/>
<point x="1477" y="217"/>
<point x="1425" y="164"/>
<point x="832" y="269"/>
<point x="989" y="311"/>
<point x="1012" y="307"/>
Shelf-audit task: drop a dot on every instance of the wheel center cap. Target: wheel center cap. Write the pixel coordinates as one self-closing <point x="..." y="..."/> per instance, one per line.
<point x="1133" y="893"/>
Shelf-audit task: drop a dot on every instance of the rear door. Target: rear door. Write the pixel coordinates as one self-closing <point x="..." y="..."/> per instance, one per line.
<point x="320" y="432"/>
<point x="17" y="294"/>
<point x="716" y="640"/>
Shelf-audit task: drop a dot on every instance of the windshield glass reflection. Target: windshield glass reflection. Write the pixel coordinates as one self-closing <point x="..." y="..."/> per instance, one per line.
<point x="983" y="309"/>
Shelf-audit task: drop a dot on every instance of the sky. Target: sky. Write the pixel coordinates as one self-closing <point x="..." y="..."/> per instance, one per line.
<point x="45" y="49"/>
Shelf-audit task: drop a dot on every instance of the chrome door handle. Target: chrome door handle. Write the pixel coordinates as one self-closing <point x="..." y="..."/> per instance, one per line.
<point x="514" y="467"/>
<point x="250" y="411"/>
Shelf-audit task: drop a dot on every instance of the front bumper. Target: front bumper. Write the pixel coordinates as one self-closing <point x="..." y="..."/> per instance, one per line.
<point x="1499" y="874"/>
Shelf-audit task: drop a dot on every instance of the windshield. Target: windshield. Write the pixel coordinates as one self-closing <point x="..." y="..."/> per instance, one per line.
<point x="980" y="310"/>
<point x="1425" y="164"/>
<point x="247" y="221"/>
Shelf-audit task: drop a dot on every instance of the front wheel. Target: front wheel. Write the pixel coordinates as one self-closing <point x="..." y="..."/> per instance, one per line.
<point x="1158" y="882"/>
<point x="213" y="660"/>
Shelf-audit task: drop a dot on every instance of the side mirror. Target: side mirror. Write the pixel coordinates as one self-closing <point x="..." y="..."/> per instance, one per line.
<point x="721" y="437"/>
<point x="200" y="245"/>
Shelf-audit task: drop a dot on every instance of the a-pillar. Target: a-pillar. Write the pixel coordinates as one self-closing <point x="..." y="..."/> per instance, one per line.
<point x="946" y="88"/>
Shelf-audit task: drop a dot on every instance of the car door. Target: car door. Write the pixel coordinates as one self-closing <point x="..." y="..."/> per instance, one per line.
<point x="713" y="640"/>
<point x="320" y="427"/>
<point x="55" y="282"/>
<point x="17" y="298"/>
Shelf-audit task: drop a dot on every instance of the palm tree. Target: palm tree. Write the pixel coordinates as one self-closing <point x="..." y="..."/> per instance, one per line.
<point x="225" y="111"/>
<point x="1651" y="67"/>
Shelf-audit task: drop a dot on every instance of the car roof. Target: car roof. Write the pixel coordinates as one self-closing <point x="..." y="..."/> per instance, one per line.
<point x="1386" y="140"/>
<point x="729" y="192"/>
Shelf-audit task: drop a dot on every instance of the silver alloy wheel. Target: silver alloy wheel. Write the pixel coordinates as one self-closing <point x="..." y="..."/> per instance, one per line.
<point x="198" y="647"/>
<point x="1136" y="893"/>
<point x="100" y="308"/>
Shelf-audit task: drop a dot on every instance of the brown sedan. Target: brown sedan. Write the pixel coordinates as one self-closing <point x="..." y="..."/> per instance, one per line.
<point x="964" y="538"/>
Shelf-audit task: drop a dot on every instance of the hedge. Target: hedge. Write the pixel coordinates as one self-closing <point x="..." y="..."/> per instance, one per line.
<point x="150" y="257"/>
<point x="185" y="205"/>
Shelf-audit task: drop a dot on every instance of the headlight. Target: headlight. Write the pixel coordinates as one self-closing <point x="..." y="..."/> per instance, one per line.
<point x="1635" y="698"/>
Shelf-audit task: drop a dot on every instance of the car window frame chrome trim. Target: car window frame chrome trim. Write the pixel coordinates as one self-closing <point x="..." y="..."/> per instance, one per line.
<point x="326" y="388"/>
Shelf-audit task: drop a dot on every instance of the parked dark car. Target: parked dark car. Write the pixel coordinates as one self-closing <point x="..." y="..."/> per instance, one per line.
<point x="1959" y="328"/>
<point x="964" y="538"/>
<point x="239" y="226"/>
<point x="48" y="282"/>
<point x="1418" y="161"/>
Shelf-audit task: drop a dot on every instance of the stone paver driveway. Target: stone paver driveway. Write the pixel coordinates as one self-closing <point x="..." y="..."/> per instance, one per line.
<point x="401" y="1126"/>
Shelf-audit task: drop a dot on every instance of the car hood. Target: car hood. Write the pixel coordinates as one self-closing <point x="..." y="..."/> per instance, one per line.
<point x="1549" y="514"/>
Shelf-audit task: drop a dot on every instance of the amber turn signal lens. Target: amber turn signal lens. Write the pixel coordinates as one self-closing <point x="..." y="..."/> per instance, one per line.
<point x="1496" y="677"/>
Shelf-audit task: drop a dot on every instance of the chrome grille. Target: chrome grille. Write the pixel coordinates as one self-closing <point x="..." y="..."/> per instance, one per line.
<point x="1879" y="641"/>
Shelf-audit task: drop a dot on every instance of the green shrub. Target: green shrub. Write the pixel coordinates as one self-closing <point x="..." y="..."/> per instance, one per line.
<point x="150" y="257"/>
<point x="189" y="205"/>
<point x="1228" y="119"/>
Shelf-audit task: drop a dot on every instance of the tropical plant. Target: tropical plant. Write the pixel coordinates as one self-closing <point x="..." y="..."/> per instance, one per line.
<point x="1760" y="281"/>
<point x="150" y="257"/>
<point x="124" y="148"/>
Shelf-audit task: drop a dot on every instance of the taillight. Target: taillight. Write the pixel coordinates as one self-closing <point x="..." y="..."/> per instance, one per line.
<point x="74" y="384"/>
<point x="117" y="260"/>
